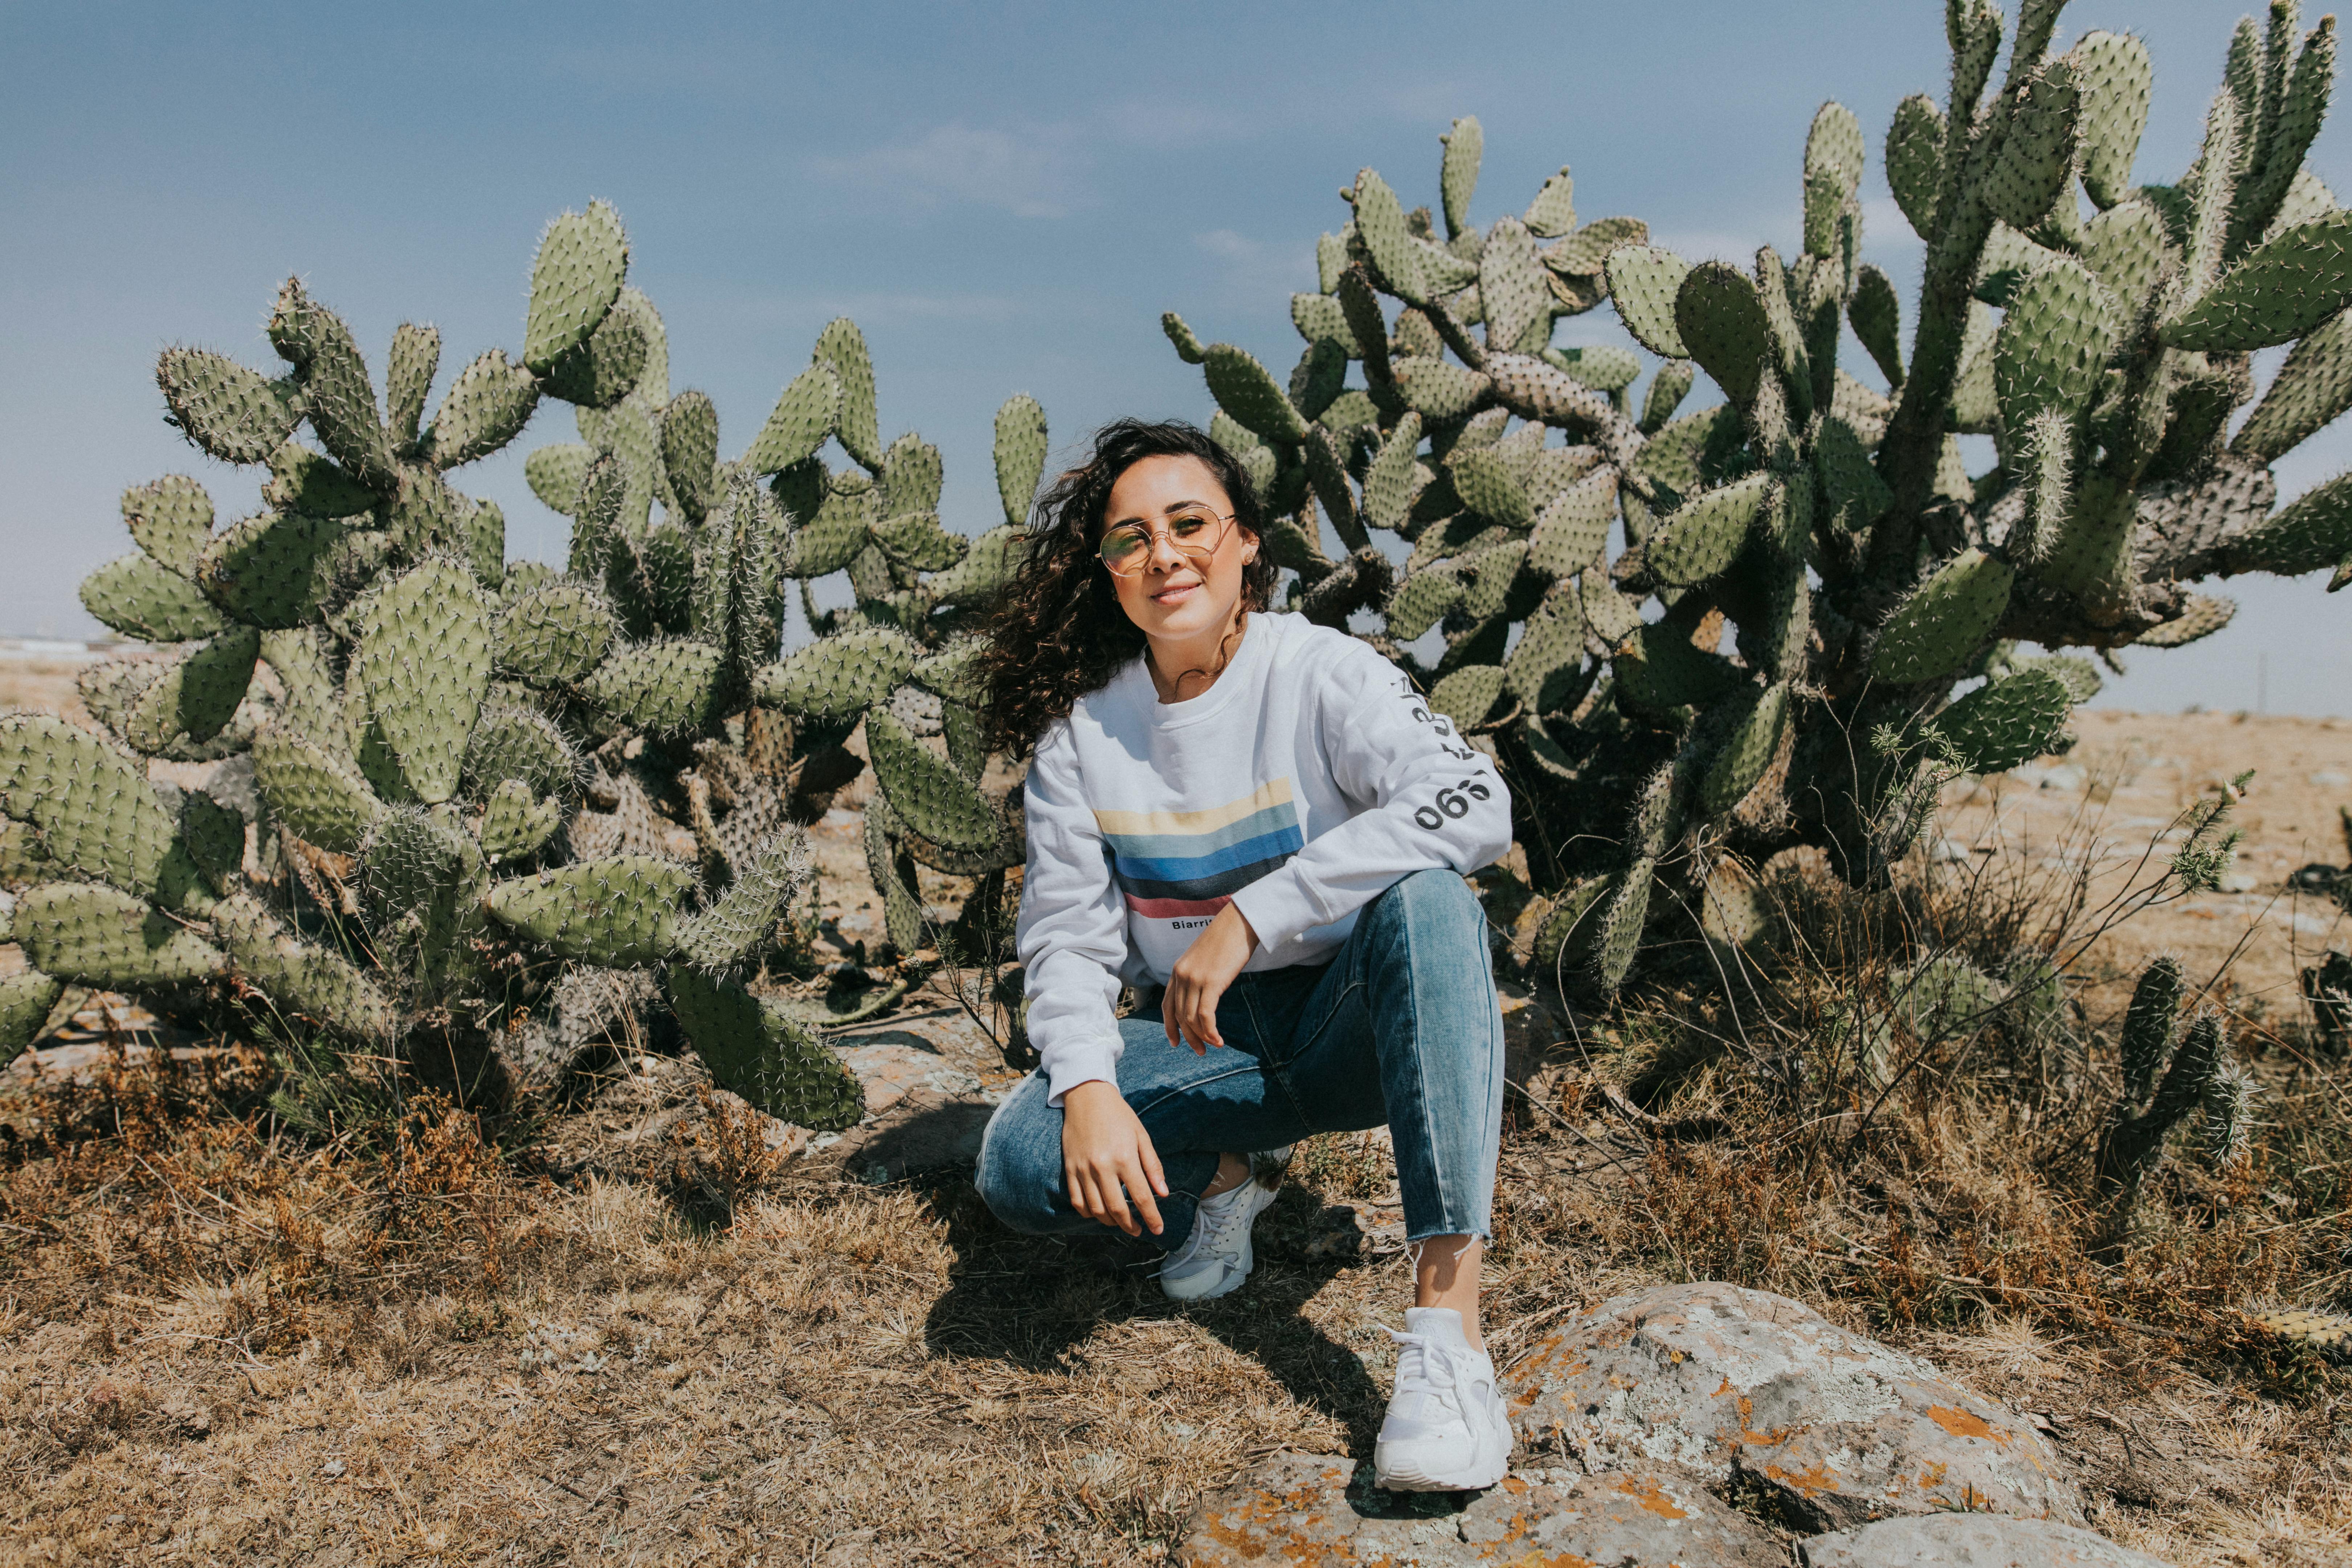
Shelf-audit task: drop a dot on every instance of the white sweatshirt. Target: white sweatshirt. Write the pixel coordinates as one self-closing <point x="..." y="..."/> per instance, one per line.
<point x="1305" y="783"/>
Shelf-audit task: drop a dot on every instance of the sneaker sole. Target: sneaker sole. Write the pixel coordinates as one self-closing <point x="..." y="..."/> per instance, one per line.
<point x="1486" y="1469"/>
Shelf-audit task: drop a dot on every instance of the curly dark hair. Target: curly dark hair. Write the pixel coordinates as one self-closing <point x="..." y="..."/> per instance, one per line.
<point x="1057" y="632"/>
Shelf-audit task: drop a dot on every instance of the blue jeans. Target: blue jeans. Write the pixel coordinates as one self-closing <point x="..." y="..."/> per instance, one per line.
<point x="1400" y="1027"/>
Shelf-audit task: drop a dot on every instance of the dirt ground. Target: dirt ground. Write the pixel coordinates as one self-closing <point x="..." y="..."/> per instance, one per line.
<point x="683" y="1345"/>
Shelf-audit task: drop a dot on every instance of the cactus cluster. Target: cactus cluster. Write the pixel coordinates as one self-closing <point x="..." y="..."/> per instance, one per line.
<point x="477" y="791"/>
<point x="2169" y="1074"/>
<point x="1824" y="568"/>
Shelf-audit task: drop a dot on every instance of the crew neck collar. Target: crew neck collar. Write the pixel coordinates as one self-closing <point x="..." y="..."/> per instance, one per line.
<point x="1255" y="634"/>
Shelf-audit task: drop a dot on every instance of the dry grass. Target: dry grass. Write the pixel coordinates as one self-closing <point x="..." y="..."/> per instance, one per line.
<point x="217" y="1338"/>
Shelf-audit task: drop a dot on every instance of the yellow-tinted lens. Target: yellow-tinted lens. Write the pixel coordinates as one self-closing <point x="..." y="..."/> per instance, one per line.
<point x="1125" y="549"/>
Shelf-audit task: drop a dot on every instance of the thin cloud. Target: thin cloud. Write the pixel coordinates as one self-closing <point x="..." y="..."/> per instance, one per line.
<point x="1037" y="173"/>
<point x="1253" y="268"/>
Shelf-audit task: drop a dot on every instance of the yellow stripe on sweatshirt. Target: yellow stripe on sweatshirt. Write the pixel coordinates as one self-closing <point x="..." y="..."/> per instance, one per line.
<point x="1265" y="795"/>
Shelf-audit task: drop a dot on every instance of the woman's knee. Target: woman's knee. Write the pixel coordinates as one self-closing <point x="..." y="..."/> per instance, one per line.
<point x="1434" y="904"/>
<point x="1020" y="1159"/>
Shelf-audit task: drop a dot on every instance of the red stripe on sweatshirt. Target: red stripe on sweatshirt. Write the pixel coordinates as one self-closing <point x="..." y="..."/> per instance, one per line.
<point x="1174" y="908"/>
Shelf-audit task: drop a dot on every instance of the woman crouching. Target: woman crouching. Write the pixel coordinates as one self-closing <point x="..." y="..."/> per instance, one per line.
<point x="1261" y="817"/>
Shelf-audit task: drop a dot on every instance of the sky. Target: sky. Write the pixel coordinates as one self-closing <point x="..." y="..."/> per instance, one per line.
<point x="1004" y="197"/>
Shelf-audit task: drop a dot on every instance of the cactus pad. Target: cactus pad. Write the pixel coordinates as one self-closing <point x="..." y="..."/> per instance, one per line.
<point x="806" y="412"/>
<point x="1702" y="538"/>
<point x="2007" y="721"/>
<point x="2314" y="531"/>
<point x="1939" y="628"/>
<point x="1619" y="919"/>
<point x="425" y="661"/>
<point x="1020" y="455"/>
<point x="26" y="999"/>
<point x="1420" y="598"/>
<point x="2051" y="344"/>
<point x="336" y="397"/>
<point x="754" y="1048"/>
<point x="214" y="835"/>
<point x="1392" y="482"/>
<point x="1646" y="282"/>
<point x="1511" y="286"/>
<point x="1746" y="751"/>
<point x="321" y="797"/>
<point x="2114" y="77"/>
<point x="197" y="694"/>
<point x="833" y="537"/>
<point x="1380" y="225"/>
<point x="574" y="281"/>
<point x="515" y="823"/>
<point x="2030" y="173"/>
<point x="1468" y="694"/>
<point x="486" y="407"/>
<point x="2295" y="282"/>
<point x="300" y="976"/>
<point x="555" y="474"/>
<point x="1243" y="389"/>
<point x="663" y="687"/>
<point x="237" y="415"/>
<point x="408" y="371"/>
<point x="1321" y="317"/>
<point x="2203" y="615"/>
<point x="2309" y="393"/>
<point x="1465" y="144"/>
<point x="1488" y="484"/>
<point x="102" y="936"/>
<point x="843" y="346"/>
<point x="555" y="632"/>
<point x="916" y="540"/>
<point x="171" y="519"/>
<point x="925" y="792"/>
<point x="1719" y="314"/>
<point x="840" y="675"/>
<point x="622" y="911"/>
<point x="514" y="741"/>
<point x="94" y="809"/>
<point x="606" y="366"/>
<point x="306" y="481"/>
<point x="1438" y="390"/>
<point x="273" y="570"/>
<point x="1548" y="656"/>
<point x="135" y="595"/>
<point x="768" y="881"/>
<point x="1188" y="344"/>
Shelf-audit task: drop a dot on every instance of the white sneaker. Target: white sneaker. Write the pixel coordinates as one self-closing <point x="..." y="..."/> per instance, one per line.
<point x="1216" y="1257"/>
<point x="1446" y="1430"/>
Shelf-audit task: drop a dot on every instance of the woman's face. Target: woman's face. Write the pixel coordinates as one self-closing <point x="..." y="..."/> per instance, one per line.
<point x="1174" y="598"/>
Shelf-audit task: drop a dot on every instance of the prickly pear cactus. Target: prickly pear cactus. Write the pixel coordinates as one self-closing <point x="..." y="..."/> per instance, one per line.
<point x="708" y="727"/>
<point x="416" y="734"/>
<point x="2169" y="1074"/>
<point x="1733" y="631"/>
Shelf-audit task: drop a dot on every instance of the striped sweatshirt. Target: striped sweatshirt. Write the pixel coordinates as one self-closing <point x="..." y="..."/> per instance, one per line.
<point x="1302" y="784"/>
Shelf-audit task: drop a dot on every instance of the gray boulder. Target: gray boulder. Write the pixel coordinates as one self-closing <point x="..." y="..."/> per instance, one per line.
<point x="1762" y="1395"/>
<point x="1968" y="1541"/>
<point x="1307" y="1510"/>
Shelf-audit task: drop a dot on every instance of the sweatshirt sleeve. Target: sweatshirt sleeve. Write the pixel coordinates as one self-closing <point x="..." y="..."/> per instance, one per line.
<point x="1072" y="934"/>
<point x="1425" y="799"/>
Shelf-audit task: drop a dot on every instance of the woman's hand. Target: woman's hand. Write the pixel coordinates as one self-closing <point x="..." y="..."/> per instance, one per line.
<point x="1198" y="981"/>
<point x="1108" y="1158"/>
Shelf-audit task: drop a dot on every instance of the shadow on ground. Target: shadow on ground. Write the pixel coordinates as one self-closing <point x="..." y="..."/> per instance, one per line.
<point x="1033" y="1301"/>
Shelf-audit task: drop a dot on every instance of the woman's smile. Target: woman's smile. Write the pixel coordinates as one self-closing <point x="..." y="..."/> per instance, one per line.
<point x="1177" y="593"/>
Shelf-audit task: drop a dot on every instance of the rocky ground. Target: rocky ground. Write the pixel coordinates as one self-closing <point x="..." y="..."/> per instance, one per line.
<point x="665" y="1329"/>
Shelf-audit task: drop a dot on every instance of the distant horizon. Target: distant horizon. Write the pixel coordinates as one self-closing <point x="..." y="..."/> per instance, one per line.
<point x="1005" y="198"/>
